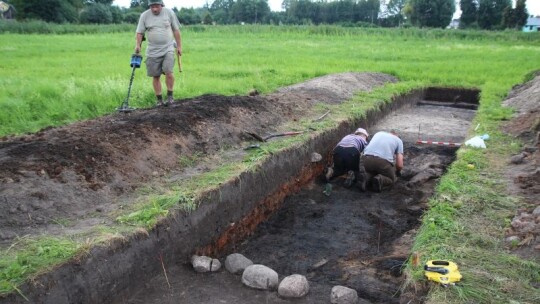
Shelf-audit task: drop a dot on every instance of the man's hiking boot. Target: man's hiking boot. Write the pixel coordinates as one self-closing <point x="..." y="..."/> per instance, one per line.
<point x="159" y="103"/>
<point x="377" y="183"/>
<point x="169" y="100"/>
<point x="350" y="179"/>
<point x="329" y="174"/>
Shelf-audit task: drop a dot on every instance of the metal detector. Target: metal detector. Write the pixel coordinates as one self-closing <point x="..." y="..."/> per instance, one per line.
<point x="136" y="61"/>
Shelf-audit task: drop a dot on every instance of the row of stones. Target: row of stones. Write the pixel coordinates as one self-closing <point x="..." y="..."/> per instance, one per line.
<point x="264" y="278"/>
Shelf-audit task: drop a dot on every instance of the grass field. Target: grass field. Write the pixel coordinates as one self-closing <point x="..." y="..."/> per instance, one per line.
<point x="55" y="79"/>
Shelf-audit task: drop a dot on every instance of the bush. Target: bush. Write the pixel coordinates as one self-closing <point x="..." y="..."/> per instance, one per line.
<point x="132" y="17"/>
<point x="96" y="13"/>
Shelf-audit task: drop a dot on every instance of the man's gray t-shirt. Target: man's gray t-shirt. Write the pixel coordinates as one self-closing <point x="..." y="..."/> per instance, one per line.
<point x="384" y="145"/>
<point x="159" y="31"/>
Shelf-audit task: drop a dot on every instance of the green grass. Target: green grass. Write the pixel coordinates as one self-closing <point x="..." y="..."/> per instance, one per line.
<point x="56" y="79"/>
<point x="36" y="256"/>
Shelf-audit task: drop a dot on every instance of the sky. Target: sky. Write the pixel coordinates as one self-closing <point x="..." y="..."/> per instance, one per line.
<point x="533" y="6"/>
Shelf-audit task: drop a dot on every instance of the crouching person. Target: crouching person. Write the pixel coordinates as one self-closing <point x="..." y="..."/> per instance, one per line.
<point x="346" y="156"/>
<point x="382" y="161"/>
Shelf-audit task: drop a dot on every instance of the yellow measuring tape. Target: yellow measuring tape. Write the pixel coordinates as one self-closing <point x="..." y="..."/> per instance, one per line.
<point x="440" y="271"/>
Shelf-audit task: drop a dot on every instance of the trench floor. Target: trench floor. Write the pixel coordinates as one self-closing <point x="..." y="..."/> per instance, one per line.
<point x="351" y="238"/>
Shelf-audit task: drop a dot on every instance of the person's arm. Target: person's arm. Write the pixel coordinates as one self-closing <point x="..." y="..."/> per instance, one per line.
<point x="178" y="39"/>
<point x="399" y="162"/>
<point x="138" y="41"/>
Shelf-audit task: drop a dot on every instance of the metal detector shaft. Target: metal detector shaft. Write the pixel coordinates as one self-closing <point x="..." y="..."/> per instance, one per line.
<point x="135" y="63"/>
<point x="125" y="105"/>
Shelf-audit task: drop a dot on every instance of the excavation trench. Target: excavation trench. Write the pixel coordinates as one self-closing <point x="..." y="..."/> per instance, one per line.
<point x="276" y="215"/>
<point x="351" y="238"/>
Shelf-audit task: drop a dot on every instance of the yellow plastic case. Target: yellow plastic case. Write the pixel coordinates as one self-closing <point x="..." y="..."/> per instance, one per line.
<point x="444" y="272"/>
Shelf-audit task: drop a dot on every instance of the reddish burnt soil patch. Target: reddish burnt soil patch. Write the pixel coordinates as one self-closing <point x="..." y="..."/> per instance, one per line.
<point x="79" y="173"/>
<point x="523" y="169"/>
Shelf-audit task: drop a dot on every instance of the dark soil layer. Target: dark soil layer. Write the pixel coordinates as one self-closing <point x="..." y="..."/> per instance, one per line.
<point x="350" y="238"/>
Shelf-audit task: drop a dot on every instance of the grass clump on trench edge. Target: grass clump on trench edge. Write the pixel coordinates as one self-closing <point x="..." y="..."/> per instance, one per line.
<point x="30" y="257"/>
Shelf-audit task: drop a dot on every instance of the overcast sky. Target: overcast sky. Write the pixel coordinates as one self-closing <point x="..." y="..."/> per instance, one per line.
<point x="533" y="6"/>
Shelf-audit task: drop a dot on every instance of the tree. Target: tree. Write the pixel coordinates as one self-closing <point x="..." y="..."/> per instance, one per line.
<point x="431" y="13"/>
<point x="137" y="3"/>
<point x="392" y="13"/>
<point x="106" y="2"/>
<point x="188" y="16"/>
<point x="469" y="13"/>
<point x="490" y="13"/>
<point x="250" y="11"/>
<point x="116" y="13"/>
<point x="515" y="18"/>
<point x="521" y="14"/>
<point x="58" y="11"/>
<point x="221" y="10"/>
<point x="97" y="13"/>
<point x="207" y="19"/>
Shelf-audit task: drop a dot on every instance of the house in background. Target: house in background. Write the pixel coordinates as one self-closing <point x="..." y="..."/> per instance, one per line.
<point x="454" y="24"/>
<point x="533" y="25"/>
<point x="7" y="11"/>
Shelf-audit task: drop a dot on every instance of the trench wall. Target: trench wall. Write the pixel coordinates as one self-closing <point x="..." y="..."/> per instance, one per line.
<point x="226" y="215"/>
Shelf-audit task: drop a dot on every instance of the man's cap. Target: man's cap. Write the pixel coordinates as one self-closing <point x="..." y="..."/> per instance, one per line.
<point x="155" y="2"/>
<point x="361" y="131"/>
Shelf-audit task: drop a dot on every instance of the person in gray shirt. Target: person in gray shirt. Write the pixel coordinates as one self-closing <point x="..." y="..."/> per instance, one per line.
<point x="163" y="34"/>
<point x="381" y="162"/>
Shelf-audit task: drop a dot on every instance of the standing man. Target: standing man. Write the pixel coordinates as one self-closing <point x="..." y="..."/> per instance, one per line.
<point x="162" y="26"/>
<point x="382" y="161"/>
<point x="347" y="156"/>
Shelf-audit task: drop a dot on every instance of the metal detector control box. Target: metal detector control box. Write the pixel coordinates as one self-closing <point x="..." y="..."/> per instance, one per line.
<point x="136" y="61"/>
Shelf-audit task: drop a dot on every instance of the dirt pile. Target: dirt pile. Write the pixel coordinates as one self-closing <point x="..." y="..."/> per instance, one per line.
<point x="68" y="179"/>
<point x="523" y="170"/>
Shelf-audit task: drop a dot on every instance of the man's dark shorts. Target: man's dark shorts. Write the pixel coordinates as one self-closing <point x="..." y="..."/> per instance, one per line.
<point x="155" y="66"/>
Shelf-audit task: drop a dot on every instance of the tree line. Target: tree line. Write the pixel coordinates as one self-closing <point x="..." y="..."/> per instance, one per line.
<point x="476" y="14"/>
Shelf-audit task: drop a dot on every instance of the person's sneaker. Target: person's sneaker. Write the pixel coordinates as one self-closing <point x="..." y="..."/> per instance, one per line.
<point x="377" y="184"/>
<point x="159" y="103"/>
<point x="329" y="173"/>
<point x="350" y="179"/>
<point x="169" y="100"/>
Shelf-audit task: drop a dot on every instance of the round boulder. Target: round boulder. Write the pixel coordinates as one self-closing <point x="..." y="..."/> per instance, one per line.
<point x="260" y="277"/>
<point x="343" y="295"/>
<point x="293" y="286"/>
<point x="205" y="264"/>
<point x="237" y="263"/>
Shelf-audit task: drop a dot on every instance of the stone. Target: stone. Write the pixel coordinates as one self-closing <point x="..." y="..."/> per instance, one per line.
<point x="260" y="277"/>
<point x="343" y="295"/>
<point x="236" y="263"/>
<point x="293" y="286"/>
<point x="315" y="157"/>
<point x="517" y="159"/>
<point x="205" y="264"/>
